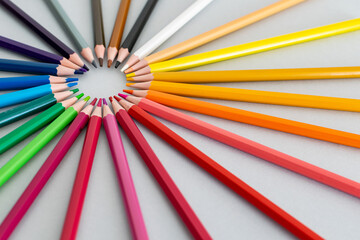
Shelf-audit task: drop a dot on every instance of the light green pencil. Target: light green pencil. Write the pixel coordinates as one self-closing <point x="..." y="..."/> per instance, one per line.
<point x="80" y="42"/>
<point x="43" y="138"/>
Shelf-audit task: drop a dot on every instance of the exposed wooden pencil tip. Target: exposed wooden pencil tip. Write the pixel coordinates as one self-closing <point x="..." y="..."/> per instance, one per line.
<point x="101" y="62"/>
<point x="109" y="63"/>
<point x="128" y="91"/>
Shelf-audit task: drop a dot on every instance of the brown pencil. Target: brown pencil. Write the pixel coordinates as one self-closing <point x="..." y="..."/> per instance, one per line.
<point x="118" y="30"/>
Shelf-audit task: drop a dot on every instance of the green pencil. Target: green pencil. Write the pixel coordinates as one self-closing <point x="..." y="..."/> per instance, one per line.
<point x="32" y="107"/>
<point x="36" y="123"/>
<point x="43" y="138"/>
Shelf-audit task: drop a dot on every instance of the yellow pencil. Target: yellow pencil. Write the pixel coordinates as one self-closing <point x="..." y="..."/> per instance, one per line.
<point x="251" y="75"/>
<point x="250" y="48"/>
<point x="256" y="96"/>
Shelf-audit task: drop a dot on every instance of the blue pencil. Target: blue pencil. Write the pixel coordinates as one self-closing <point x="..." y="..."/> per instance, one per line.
<point x="9" y="65"/>
<point x="16" y="83"/>
<point x="29" y="94"/>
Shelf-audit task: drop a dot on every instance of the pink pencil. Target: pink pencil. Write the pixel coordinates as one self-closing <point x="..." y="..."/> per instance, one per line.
<point x="43" y="175"/>
<point x="126" y="183"/>
<point x="256" y="149"/>
<point x="78" y="193"/>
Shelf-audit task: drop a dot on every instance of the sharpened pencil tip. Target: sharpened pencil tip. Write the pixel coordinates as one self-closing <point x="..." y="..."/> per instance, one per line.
<point x="83" y="70"/>
<point x="79" y="72"/>
<point x="99" y="103"/>
<point x="111" y="99"/>
<point x="104" y="101"/>
<point x="128" y="75"/>
<point x="85" y="67"/>
<point x="94" y="64"/>
<point x="129" y="84"/>
<point x="87" y="98"/>
<point x="109" y="63"/>
<point x="101" y="62"/>
<point x="93" y="102"/>
<point x="80" y="96"/>
<point x="124" y="96"/>
<point x="117" y="98"/>
<point x="72" y="84"/>
<point x="117" y="64"/>
<point x="128" y="91"/>
<point x="74" y="90"/>
<point x="72" y="79"/>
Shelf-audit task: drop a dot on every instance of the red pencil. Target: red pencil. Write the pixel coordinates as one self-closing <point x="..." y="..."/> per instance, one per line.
<point x="45" y="172"/>
<point x="159" y="172"/>
<point x="78" y="193"/>
<point x="220" y="173"/>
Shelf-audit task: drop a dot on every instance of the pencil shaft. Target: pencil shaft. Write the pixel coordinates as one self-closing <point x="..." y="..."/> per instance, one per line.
<point x="256" y="47"/>
<point x="98" y="24"/>
<point x="256" y="96"/>
<point x="26" y="109"/>
<point x="16" y="83"/>
<point x="224" y="176"/>
<point x="256" y="119"/>
<point x="42" y="176"/>
<point x="125" y="180"/>
<point x="139" y="25"/>
<point x="35" y="145"/>
<point x="78" y="193"/>
<point x="162" y="177"/>
<point x="253" y="148"/>
<point x="119" y="25"/>
<point x="221" y="31"/>
<point x="57" y="44"/>
<point x="22" y="132"/>
<point x="76" y="36"/>
<point x="254" y="75"/>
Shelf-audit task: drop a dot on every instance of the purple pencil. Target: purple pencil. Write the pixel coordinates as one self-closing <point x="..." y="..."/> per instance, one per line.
<point x="56" y="43"/>
<point x="43" y="175"/>
<point x="126" y="183"/>
<point x="36" y="53"/>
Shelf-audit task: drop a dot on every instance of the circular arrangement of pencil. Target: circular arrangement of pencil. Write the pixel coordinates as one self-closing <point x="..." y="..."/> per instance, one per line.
<point x="159" y="90"/>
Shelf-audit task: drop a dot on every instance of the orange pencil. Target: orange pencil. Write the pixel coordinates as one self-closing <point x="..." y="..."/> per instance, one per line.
<point x="252" y="118"/>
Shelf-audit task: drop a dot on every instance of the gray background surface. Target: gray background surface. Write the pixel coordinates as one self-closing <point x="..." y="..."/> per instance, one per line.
<point x="332" y="214"/>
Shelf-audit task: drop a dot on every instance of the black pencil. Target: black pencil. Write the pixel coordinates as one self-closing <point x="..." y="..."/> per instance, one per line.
<point x="61" y="47"/>
<point x="135" y="31"/>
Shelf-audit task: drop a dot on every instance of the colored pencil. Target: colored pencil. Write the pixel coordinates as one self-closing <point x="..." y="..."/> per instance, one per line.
<point x="255" y="96"/>
<point x="118" y="30"/>
<point x="135" y="31"/>
<point x="133" y="210"/>
<point x="16" y="83"/>
<point x="251" y="75"/>
<point x="246" y="145"/>
<point x="252" y="47"/>
<point x="252" y="118"/>
<point x="36" y="53"/>
<point x="98" y="24"/>
<point x="215" y="33"/>
<point x="227" y="178"/>
<point x="166" y="32"/>
<point x="36" y="123"/>
<point x="47" y="36"/>
<point x="45" y="172"/>
<point x="32" y="107"/>
<point x="79" y="41"/>
<point x="29" y="94"/>
<point x="78" y="193"/>
<point x="163" y="178"/>
<point x="9" y="65"/>
<point x="40" y="141"/>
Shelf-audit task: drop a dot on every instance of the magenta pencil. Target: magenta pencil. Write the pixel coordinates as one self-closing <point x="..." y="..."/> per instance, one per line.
<point x="123" y="173"/>
<point x="45" y="172"/>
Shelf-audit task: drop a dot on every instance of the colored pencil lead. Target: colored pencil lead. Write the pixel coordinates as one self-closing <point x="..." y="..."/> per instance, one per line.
<point x="94" y="64"/>
<point x="104" y="101"/>
<point x="87" y="98"/>
<point x="72" y="84"/>
<point x="129" y="84"/>
<point x="86" y="67"/>
<point x="117" y="98"/>
<point x="117" y="64"/>
<point x="74" y="90"/>
<point x="111" y="99"/>
<point x="80" y="96"/>
<point x="94" y="102"/>
<point x="101" y="62"/>
<point x="109" y="63"/>
<point x="99" y="103"/>
<point x="128" y="91"/>
<point x="72" y="79"/>
<point x="124" y="96"/>
<point x="79" y="72"/>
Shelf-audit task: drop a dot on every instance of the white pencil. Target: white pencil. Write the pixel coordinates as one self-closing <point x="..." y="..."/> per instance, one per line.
<point x="166" y="32"/>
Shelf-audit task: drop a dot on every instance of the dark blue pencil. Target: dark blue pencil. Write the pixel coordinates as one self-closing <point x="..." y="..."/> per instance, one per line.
<point x="16" y="83"/>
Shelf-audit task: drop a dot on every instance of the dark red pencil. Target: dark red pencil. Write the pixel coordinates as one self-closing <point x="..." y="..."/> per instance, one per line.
<point x="220" y="173"/>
